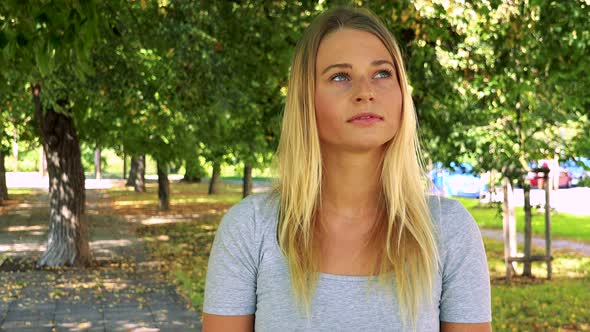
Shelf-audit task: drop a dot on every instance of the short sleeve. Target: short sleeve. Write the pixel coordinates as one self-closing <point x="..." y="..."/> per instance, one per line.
<point x="230" y="286"/>
<point x="465" y="296"/>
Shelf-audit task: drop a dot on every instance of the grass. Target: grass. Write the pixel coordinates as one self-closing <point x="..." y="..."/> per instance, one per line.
<point x="563" y="225"/>
<point x="15" y="197"/>
<point x="524" y="305"/>
<point x="539" y="304"/>
<point x="256" y="178"/>
<point x="558" y="305"/>
<point x="182" y="247"/>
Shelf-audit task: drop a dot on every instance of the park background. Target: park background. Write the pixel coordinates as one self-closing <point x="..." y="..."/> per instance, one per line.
<point x="127" y="129"/>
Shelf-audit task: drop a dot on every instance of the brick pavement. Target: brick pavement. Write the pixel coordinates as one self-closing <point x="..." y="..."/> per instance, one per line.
<point x="124" y="292"/>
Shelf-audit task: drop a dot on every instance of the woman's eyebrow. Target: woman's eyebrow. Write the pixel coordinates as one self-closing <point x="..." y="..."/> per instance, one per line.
<point x="380" y="62"/>
<point x="348" y="65"/>
<point x="337" y="65"/>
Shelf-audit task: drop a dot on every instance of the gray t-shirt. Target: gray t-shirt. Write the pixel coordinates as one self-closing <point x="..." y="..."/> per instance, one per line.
<point x="249" y="275"/>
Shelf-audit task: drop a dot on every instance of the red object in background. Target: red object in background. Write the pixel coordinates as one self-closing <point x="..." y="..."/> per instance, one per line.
<point x="565" y="179"/>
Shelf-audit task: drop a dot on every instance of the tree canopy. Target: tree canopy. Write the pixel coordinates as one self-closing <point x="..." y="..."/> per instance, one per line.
<point x="500" y="83"/>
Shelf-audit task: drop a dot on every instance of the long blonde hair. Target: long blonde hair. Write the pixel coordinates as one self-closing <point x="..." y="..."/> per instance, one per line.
<point x="406" y="236"/>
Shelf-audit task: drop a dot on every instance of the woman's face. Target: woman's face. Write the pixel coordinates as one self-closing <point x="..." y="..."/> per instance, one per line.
<point x="358" y="98"/>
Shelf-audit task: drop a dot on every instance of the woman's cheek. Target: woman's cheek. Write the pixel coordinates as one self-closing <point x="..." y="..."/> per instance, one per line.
<point x="326" y="111"/>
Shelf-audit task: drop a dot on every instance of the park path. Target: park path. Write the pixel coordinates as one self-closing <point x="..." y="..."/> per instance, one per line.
<point x="576" y="246"/>
<point x="125" y="291"/>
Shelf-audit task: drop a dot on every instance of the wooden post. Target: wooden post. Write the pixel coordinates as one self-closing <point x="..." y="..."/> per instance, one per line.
<point x="526" y="271"/>
<point x="509" y="227"/>
<point x="124" y="166"/>
<point x="547" y="227"/>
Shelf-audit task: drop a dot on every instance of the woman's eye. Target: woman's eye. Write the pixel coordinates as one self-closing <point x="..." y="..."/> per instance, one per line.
<point x="383" y="74"/>
<point x="340" y="77"/>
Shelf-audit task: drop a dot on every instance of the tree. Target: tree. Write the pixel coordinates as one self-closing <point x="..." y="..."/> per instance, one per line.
<point x="68" y="230"/>
<point x="252" y="106"/>
<point x="14" y="121"/>
<point x="49" y="48"/>
<point x="517" y="64"/>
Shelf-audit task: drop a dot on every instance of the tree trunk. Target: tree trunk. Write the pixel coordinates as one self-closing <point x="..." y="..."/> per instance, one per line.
<point x="139" y="181"/>
<point x="527" y="229"/>
<point x="68" y="231"/>
<point x="247" y="181"/>
<point x="97" y="168"/>
<point x="132" y="172"/>
<point x="194" y="170"/>
<point x="3" y="188"/>
<point x="163" y="187"/>
<point x="214" y="183"/>
<point x="492" y="185"/>
<point x="124" y="166"/>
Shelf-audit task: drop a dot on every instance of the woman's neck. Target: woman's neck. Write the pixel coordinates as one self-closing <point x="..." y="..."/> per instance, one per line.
<point x="351" y="183"/>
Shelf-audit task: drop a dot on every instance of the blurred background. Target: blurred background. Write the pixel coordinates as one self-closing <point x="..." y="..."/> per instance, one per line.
<point x="128" y="128"/>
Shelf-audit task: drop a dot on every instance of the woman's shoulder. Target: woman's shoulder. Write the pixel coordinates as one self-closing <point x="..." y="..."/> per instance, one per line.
<point x="442" y="206"/>
<point x="253" y="213"/>
<point x="260" y="203"/>
<point x="450" y="217"/>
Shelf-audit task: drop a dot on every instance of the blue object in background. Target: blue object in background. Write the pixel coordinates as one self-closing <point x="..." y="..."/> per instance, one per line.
<point x="578" y="172"/>
<point x="459" y="180"/>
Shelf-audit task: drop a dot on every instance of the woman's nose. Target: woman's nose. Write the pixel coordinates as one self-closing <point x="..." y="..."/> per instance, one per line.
<point x="365" y="91"/>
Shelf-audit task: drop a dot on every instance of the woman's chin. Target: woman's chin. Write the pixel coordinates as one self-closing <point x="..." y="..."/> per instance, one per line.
<point x="356" y="147"/>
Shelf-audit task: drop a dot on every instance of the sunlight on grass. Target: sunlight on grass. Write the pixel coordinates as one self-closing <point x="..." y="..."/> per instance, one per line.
<point x="184" y="248"/>
<point x="565" y="264"/>
<point x="539" y="304"/>
<point x="179" y="242"/>
<point x="559" y="304"/>
<point x="22" y="191"/>
<point x="133" y="203"/>
<point x="563" y="225"/>
<point x="26" y="228"/>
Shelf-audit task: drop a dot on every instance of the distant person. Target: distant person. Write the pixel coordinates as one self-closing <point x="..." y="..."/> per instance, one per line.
<point x="349" y="240"/>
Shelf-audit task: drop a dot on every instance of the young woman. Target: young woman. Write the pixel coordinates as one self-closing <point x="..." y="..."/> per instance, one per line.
<point x="349" y="240"/>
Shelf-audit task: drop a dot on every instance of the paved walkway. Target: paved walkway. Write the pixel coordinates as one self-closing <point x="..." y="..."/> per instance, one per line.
<point x="580" y="247"/>
<point x="125" y="291"/>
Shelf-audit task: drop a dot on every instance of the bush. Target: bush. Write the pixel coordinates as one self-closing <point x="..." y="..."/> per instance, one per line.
<point x="584" y="182"/>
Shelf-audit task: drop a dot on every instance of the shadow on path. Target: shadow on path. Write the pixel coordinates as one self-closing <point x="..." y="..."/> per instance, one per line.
<point x="124" y="291"/>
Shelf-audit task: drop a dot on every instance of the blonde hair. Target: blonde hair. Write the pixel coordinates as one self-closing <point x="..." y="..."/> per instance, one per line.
<point x="406" y="236"/>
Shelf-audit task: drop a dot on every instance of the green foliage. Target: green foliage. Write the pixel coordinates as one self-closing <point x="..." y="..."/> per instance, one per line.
<point x="492" y="81"/>
<point x="585" y="182"/>
<point x="42" y="39"/>
<point x="521" y="63"/>
<point x="28" y="161"/>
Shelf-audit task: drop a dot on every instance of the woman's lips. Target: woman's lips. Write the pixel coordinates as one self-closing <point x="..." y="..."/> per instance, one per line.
<point x="365" y="119"/>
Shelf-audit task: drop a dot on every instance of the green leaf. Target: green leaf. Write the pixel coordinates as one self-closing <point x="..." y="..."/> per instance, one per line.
<point x="42" y="60"/>
<point x="3" y="39"/>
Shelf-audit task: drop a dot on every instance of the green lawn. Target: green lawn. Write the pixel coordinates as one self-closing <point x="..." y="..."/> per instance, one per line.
<point x="523" y="305"/>
<point x="563" y="225"/>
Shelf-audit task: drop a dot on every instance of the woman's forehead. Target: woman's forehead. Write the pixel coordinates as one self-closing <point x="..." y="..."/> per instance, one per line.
<point x="350" y="46"/>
